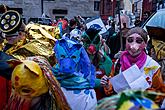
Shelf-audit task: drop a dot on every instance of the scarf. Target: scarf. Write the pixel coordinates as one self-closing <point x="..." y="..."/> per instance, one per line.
<point x="127" y="60"/>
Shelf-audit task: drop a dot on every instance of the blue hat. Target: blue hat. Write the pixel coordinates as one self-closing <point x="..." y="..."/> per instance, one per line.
<point x="95" y="27"/>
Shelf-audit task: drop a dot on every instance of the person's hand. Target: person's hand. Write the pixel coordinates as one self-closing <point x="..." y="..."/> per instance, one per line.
<point x="102" y="40"/>
<point x="104" y="81"/>
<point x="117" y="55"/>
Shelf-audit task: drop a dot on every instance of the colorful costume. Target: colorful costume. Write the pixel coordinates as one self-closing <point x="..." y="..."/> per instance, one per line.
<point x="38" y="41"/>
<point x="75" y="74"/>
<point x="98" y="56"/>
<point x="144" y="71"/>
<point x="34" y="87"/>
<point x="129" y="100"/>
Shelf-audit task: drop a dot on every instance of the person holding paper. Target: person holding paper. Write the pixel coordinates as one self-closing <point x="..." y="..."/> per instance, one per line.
<point x="137" y="70"/>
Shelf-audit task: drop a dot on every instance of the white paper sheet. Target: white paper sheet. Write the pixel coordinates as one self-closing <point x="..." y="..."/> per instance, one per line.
<point x="119" y="83"/>
<point x="132" y="78"/>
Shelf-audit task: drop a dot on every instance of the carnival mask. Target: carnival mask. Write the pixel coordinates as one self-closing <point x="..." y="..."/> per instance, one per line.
<point x="135" y="44"/>
<point x="91" y="39"/>
<point x="32" y="80"/>
<point x="68" y="55"/>
<point x="91" y="43"/>
<point x="28" y="82"/>
<point x="75" y="35"/>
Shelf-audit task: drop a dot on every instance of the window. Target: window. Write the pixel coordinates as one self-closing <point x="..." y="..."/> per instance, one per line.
<point x="96" y="5"/>
<point x="60" y="11"/>
<point x="108" y="6"/>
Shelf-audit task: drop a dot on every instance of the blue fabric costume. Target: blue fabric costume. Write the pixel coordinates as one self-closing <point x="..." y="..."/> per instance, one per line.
<point x="75" y="74"/>
<point x="73" y="65"/>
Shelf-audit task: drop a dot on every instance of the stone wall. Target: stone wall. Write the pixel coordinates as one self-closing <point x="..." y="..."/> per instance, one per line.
<point x="84" y="8"/>
<point x="32" y="8"/>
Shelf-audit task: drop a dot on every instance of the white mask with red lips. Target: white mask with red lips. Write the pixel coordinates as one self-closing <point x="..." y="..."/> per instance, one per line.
<point x="135" y="44"/>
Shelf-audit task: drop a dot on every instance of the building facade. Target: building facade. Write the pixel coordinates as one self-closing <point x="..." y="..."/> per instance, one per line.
<point x="55" y="8"/>
<point x="107" y="8"/>
<point x="149" y="6"/>
<point x="110" y="7"/>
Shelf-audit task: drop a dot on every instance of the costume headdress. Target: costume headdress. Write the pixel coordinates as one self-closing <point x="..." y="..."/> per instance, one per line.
<point x="33" y="78"/>
<point x="10" y="22"/>
<point x="92" y="39"/>
<point x="73" y="60"/>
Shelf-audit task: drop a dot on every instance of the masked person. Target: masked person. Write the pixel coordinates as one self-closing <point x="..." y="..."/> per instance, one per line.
<point x="27" y="40"/>
<point x="75" y="74"/>
<point x="34" y="87"/>
<point x="75" y="35"/>
<point x="12" y="29"/>
<point x="5" y="70"/>
<point x="19" y="45"/>
<point x="137" y="70"/>
<point x="98" y="53"/>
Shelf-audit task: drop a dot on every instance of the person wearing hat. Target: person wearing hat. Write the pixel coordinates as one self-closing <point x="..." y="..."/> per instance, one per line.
<point x="144" y="71"/>
<point x="27" y="40"/>
<point x="12" y="27"/>
<point x="18" y="45"/>
<point x="98" y="52"/>
<point x="5" y="70"/>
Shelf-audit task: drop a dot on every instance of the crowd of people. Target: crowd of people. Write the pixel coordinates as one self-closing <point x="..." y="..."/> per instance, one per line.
<point x="67" y="66"/>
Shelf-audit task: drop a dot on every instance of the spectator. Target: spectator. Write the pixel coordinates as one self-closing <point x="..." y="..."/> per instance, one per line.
<point x="138" y="22"/>
<point x="72" y="24"/>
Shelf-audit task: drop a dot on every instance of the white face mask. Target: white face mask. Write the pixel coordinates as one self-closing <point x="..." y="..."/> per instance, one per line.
<point x="134" y="47"/>
<point x="135" y="44"/>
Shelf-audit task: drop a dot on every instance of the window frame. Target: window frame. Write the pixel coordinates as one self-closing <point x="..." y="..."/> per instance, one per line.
<point x="96" y="5"/>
